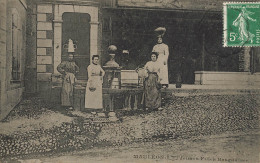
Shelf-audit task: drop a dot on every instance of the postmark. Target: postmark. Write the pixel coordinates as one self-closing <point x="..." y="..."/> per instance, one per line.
<point x="241" y="22"/>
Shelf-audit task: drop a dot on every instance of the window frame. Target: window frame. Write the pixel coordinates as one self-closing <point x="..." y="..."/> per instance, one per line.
<point x="16" y="47"/>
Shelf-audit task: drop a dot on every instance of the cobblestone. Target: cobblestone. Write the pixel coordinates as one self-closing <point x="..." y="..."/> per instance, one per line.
<point x="182" y="117"/>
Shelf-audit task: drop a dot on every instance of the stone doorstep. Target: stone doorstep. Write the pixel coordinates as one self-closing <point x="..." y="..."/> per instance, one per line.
<point x="234" y="79"/>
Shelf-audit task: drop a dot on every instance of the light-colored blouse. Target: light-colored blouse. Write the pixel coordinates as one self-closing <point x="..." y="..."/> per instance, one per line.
<point x="95" y="70"/>
<point x="152" y="67"/>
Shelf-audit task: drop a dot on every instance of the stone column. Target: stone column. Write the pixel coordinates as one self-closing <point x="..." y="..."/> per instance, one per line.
<point x="57" y="43"/>
<point x="44" y="43"/>
<point x="93" y="38"/>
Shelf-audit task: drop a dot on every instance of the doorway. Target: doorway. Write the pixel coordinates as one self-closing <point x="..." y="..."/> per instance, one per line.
<point x="76" y="27"/>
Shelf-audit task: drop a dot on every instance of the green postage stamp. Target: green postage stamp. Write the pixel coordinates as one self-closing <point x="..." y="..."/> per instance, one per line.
<point x="241" y="24"/>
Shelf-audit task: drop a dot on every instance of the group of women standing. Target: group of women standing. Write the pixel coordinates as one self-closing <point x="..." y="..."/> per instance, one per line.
<point x="157" y="77"/>
<point x="157" y="70"/>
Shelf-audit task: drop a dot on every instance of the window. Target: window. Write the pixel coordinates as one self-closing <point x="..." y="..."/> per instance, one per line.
<point x="16" y="46"/>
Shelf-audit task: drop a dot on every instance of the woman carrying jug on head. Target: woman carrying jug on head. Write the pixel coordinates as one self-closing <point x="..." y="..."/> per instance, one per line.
<point x="163" y="51"/>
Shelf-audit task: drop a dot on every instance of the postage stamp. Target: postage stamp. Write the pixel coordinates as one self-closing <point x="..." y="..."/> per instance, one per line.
<point x="241" y="24"/>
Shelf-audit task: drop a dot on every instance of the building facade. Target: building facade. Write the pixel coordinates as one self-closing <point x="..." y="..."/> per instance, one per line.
<point x="53" y="24"/>
<point x="35" y="33"/>
<point x="194" y="36"/>
<point x="13" y="53"/>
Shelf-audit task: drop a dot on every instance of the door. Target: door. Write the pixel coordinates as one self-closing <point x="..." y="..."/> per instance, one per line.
<point x="76" y="27"/>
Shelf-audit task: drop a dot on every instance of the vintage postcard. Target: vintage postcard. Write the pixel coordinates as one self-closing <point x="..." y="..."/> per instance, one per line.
<point x="137" y="81"/>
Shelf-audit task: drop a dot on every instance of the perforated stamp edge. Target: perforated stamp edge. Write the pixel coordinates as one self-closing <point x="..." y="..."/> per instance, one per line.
<point x="224" y="20"/>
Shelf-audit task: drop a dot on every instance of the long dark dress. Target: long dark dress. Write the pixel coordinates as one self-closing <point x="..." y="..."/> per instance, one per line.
<point x="152" y="92"/>
<point x="68" y="69"/>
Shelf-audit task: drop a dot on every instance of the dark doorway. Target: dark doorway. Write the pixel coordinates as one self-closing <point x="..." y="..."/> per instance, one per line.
<point x="76" y="27"/>
<point x="189" y="34"/>
<point x="134" y="30"/>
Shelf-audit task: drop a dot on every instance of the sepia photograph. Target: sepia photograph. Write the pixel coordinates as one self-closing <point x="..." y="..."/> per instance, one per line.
<point x="129" y="81"/>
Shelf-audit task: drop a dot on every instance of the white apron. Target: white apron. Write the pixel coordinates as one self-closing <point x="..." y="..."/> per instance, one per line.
<point x="163" y="51"/>
<point x="93" y="98"/>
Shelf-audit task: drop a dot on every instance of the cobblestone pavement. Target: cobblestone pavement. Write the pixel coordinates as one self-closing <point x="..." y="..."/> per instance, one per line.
<point x="35" y="128"/>
<point x="237" y="147"/>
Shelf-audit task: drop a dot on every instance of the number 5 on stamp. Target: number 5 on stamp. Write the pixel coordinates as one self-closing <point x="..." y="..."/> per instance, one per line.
<point x="241" y="24"/>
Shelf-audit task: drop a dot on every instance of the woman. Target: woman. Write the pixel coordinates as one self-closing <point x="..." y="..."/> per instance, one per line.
<point x="93" y="97"/>
<point x="152" y="93"/>
<point x="68" y="69"/>
<point x="163" y="51"/>
<point x="242" y="23"/>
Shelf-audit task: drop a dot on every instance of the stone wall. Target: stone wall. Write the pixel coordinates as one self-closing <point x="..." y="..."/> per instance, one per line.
<point x="44" y="48"/>
<point x="11" y="89"/>
<point x="44" y="41"/>
<point x="3" y="15"/>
